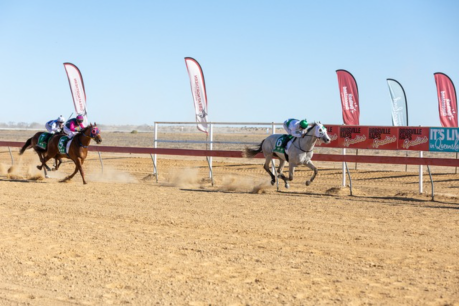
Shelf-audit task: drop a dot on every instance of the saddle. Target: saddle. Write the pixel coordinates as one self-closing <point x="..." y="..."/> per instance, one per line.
<point x="281" y="144"/>
<point x="43" y="140"/>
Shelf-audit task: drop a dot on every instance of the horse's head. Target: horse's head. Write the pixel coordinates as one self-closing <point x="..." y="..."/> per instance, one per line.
<point x="93" y="132"/>
<point x="320" y="131"/>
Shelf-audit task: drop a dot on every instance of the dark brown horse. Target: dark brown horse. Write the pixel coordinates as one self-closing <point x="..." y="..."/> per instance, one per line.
<point x="33" y="143"/>
<point x="78" y="149"/>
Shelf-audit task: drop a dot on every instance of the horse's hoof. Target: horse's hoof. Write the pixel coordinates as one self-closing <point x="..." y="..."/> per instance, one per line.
<point x="273" y="182"/>
<point x="47" y="176"/>
<point x="308" y="183"/>
<point x="38" y="167"/>
<point x="287" y="186"/>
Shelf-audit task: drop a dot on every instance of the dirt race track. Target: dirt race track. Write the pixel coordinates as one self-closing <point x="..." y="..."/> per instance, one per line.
<point x="125" y="239"/>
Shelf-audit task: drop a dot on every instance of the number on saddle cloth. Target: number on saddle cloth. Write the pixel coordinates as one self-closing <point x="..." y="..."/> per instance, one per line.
<point x="62" y="145"/>
<point x="43" y="140"/>
<point x="281" y="143"/>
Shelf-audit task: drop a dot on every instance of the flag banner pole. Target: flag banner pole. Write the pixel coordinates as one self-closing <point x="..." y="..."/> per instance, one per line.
<point x="399" y="105"/>
<point x="349" y="94"/>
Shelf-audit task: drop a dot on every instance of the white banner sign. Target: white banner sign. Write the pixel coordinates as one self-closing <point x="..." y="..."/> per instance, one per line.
<point x="77" y="89"/>
<point x="399" y="103"/>
<point x="198" y="90"/>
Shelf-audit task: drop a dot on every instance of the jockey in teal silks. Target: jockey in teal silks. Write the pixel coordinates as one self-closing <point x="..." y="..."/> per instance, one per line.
<point x="74" y="126"/>
<point x="55" y="126"/>
<point x="295" y="127"/>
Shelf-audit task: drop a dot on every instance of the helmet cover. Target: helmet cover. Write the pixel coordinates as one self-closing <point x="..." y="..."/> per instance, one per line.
<point x="303" y="123"/>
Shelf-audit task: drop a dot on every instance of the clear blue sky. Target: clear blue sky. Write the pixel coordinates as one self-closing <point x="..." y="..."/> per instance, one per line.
<point x="263" y="61"/>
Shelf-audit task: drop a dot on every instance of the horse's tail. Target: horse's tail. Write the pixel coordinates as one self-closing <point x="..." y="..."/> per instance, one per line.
<point x="250" y="153"/>
<point x="26" y="146"/>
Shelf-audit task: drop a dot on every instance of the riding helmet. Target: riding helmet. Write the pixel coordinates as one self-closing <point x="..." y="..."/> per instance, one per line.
<point x="303" y="123"/>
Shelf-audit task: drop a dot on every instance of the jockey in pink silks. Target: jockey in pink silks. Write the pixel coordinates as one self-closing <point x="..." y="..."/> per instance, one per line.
<point x="74" y="126"/>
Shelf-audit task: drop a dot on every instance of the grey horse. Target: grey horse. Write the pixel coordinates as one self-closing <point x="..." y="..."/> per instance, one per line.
<point x="299" y="153"/>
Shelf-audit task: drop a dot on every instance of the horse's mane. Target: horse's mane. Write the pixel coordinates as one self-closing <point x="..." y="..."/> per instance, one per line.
<point x="84" y="130"/>
<point x="311" y="127"/>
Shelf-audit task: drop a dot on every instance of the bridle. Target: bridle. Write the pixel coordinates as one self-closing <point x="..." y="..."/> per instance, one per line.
<point x="306" y="135"/>
<point x="299" y="145"/>
<point x="91" y="135"/>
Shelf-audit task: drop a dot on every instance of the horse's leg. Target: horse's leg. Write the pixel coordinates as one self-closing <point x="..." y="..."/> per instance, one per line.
<point x="43" y="160"/>
<point x="58" y="162"/>
<point x="268" y="169"/>
<point x="311" y="166"/>
<point x="280" y="174"/>
<point x="291" y="170"/>
<point x="46" y="173"/>
<point x="43" y="163"/>
<point x="81" y="169"/>
<point x="39" y="167"/>
<point x="68" y="178"/>
<point x="78" y="167"/>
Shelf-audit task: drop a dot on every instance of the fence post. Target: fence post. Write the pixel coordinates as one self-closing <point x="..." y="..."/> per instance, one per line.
<point x="154" y="168"/>
<point x="101" y="163"/>
<point x="431" y="183"/>
<point x="155" y="145"/>
<point x="350" y="180"/>
<point x="420" y="174"/>
<point x="11" y="155"/>
<point x="344" y="169"/>
<point x="211" y="136"/>
<point x="273" y="162"/>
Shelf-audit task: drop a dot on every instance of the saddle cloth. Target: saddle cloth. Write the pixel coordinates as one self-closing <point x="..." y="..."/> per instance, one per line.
<point x="64" y="144"/>
<point x="281" y="143"/>
<point x="43" y="140"/>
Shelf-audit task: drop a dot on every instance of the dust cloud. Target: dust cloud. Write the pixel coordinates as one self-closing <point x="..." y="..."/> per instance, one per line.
<point x="183" y="178"/>
<point x="21" y="171"/>
<point x="110" y="175"/>
<point x="237" y="183"/>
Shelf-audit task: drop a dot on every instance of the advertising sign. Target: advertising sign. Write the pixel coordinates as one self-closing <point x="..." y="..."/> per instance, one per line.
<point x="413" y="138"/>
<point x="444" y="139"/>
<point x="382" y="138"/>
<point x="353" y="137"/>
<point x="333" y="132"/>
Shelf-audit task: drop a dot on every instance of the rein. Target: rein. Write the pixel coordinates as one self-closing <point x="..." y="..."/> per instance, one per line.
<point x="83" y="134"/>
<point x="299" y="145"/>
<point x="310" y="129"/>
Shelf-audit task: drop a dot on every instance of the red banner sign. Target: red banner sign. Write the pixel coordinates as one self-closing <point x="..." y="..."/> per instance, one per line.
<point x="447" y="101"/>
<point x="349" y="97"/>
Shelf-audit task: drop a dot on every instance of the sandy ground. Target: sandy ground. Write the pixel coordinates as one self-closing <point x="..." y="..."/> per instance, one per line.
<point x="126" y="239"/>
